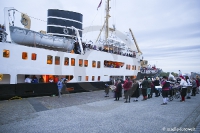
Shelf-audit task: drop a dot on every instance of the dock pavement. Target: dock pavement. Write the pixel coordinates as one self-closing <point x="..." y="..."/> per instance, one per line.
<point x="91" y="112"/>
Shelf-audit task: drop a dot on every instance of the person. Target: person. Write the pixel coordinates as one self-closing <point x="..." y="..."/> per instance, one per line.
<point x="34" y="79"/>
<point x="127" y="86"/>
<point x="118" y="91"/>
<point x="64" y="82"/>
<point x="27" y="80"/>
<point x="157" y="86"/>
<point x="194" y="86"/>
<point x="106" y="87"/>
<point x="60" y="86"/>
<point x="144" y="85"/>
<point x="165" y="90"/>
<point x="179" y="73"/>
<point x="149" y="88"/>
<point x="188" y="87"/>
<point x="50" y="80"/>
<point x="171" y="77"/>
<point x="198" y="84"/>
<point x="41" y="80"/>
<point x="126" y="80"/>
<point x="183" y="84"/>
<point x="136" y="91"/>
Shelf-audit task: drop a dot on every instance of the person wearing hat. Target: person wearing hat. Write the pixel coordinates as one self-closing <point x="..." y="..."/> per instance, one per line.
<point x="165" y="90"/>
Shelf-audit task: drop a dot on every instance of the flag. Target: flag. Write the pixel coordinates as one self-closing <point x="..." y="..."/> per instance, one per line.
<point x="99" y="5"/>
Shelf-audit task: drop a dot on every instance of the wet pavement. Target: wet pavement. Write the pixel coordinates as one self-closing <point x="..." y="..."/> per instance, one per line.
<point x="91" y="112"/>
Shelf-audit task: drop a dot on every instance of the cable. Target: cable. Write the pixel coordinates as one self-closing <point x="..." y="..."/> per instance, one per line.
<point x="90" y="24"/>
<point x="31" y="16"/>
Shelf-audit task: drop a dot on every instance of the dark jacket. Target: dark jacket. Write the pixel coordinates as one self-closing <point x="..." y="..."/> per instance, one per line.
<point x="136" y="90"/>
<point x="156" y="83"/>
<point x="145" y="84"/>
<point x="118" y="90"/>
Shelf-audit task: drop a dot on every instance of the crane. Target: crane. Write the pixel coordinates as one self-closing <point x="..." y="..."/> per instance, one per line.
<point x="135" y="41"/>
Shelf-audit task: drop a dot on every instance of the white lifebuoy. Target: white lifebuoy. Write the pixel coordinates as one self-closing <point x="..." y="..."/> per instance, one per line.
<point x="65" y="30"/>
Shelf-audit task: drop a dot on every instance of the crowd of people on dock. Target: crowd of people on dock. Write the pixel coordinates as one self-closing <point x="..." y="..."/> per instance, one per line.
<point x="165" y="86"/>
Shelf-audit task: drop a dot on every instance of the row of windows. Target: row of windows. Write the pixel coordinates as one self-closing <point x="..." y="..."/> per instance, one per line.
<point x="87" y="78"/>
<point x="128" y="67"/>
<point x="67" y="60"/>
<point x="112" y="64"/>
<point x="6" y="54"/>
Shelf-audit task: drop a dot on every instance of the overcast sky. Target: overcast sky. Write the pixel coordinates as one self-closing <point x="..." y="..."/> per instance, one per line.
<point x="167" y="31"/>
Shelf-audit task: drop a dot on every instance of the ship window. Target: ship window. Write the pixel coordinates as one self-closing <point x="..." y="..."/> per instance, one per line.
<point x="72" y="62"/>
<point x="126" y="66"/>
<point x="86" y="63"/>
<point x="86" y="78"/>
<point x="57" y="60"/>
<point x="66" y="61"/>
<point x="80" y="62"/>
<point x="98" y="64"/>
<point x="133" y="67"/>
<point x="99" y="78"/>
<point x="138" y="67"/>
<point x="112" y="64"/>
<point x="24" y="55"/>
<point x="33" y="56"/>
<point x="93" y="78"/>
<point x="79" y="78"/>
<point x="93" y="63"/>
<point x="129" y="67"/>
<point x="49" y="59"/>
<point x="6" y="53"/>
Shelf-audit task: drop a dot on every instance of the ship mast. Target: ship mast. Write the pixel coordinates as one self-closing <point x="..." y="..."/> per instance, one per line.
<point x="106" y="23"/>
<point x="107" y="18"/>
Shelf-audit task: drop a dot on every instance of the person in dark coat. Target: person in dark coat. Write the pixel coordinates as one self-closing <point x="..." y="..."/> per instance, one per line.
<point x="106" y="87"/>
<point x="157" y="83"/>
<point x="118" y="91"/>
<point x="144" y="85"/>
<point x="136" y="91"/>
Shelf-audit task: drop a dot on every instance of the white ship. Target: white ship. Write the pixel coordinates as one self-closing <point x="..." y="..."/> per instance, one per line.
<point x="59" y="52"/>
